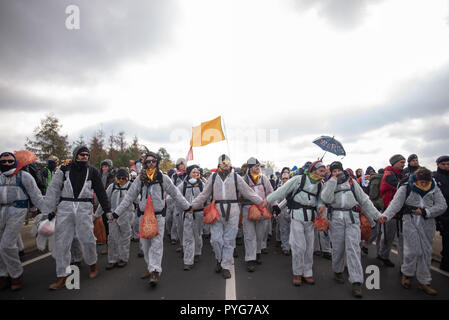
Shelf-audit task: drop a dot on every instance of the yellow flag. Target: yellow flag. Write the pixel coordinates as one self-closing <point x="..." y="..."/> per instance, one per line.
<point x="207" y="132"/>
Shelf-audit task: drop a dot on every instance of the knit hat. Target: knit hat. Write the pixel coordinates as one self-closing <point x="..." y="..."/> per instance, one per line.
<point x="79" y="150"/>
<point x="190" y="168"/>
<point x="252" y="162"/>
<point x="411" y="157"/>
<point x="122" y="173"/>
<point x="315" y="165"/>
<point x="106" y="162"/>
<point x="369" y="169"/>
<point x="222" y="158"/>
<point x="336" y="165"/>
<point x="180" y="161"/>
<point x="396" y="158"/>
<point x="443" y="159"/>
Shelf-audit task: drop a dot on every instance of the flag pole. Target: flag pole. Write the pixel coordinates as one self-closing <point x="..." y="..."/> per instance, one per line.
<point x="226" y="136"/>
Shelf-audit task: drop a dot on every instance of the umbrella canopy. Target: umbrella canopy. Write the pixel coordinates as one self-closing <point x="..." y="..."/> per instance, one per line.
<point x="329" y="144"/>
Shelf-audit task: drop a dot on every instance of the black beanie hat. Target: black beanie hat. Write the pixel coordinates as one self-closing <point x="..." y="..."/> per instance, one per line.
<point x="411" y="157"/>
<point x="443" y="159"/>
<point x="190" y="168"/>
<point x="336" y="165"/>
<point x="122" y="173"/>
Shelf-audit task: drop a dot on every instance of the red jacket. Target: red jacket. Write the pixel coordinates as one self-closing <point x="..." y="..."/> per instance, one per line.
<point x="389" y="184"/>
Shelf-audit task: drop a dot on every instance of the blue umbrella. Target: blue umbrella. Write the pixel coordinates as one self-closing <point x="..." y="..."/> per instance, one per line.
<point x="331" y="145"/>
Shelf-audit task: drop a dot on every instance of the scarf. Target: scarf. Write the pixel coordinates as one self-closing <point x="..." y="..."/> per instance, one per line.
<point x="422" y="191"/>
<point x="314" y="178"/>
<point x="255" y="177"/>
<point x="150" y="173"/>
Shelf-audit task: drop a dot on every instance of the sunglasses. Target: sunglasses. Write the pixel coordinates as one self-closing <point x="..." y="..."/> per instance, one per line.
<point x="83" y="154"/>
<point x="6" y="161"/>
<point x="121" y="178"/>
<point x="151" y="161"/>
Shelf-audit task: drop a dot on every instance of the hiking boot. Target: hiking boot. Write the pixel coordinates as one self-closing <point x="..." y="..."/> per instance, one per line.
<point x="297" y="280"/>
<point x="5" y="282"/>
<point x="251" y="266"/>
<point x="111" y="266"/>
<point x="308" y="280"/>
<point x="145" y="275"/>
<point x="327" y="255"/>
<point x="357" y="290"/>
<point x="386" y="262"/>
<point x="122" y="264"/>
<point x="364" y="250"/>
<point x="339" y="277"/>
<point x="154" y="278"/>
<point x="188" y="267"/>
<point x="427" y="289"/>
<point x="60" y="283"/>
<point x="179" y="249"/>
<point x="264" y="251"/>
<point x="218" y="267"/>
<point x="258" y="261"/>
<point x="196" y="258"/>
<point x="16" y="283"/>
<point x="286" y="252"/>
<point x="93" y="271"/>
<point x="406" y="282"/>
<point x="226" y="274"/>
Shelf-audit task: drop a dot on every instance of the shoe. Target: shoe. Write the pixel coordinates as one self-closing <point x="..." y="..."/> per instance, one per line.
<point x="235" y="254"/>
<point x="386" y="262"/>
<point x="140" y="254"/>
<point x="104" y="251"/>
<point x="251" y="266"/>
<point x="226" y="274"/>
<point x="339" y="277"/>
<point x="122" y="264"/>
<point x="218" y="267"/>
<point x="154" y="278"/>
<point x="427" y="289"/>
<point x="5" y="282"/>
<point x="93" y="271"/>
<point x="196" y="258"/>
<point x="297" y="280"/>
<point x="264" y="251"/>
<point x="308" y="280"/>
<point x="365" y="250"/>
<point x="60" y="283"/>
<point x="179" y="249"/>
<point x="111" y="266"/>
<point x="16" y="283"/>
<point x="145" y="275"/>
<point x="258" y="261"/>
<point x="357" y="290"/>
<point x="406" y="282"/>
<point x="188" y="267"/>
<point x="327" y="255"/>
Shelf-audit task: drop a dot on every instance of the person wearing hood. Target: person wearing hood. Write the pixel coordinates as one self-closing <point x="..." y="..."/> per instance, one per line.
<point x="388" y="187"/>
<point x="152" y="182"/>
<point x="48" y="172"/>
<point x="70" y="195"/>
<point x="224" y="187"/>
<point x="343" y="194"/>
<point x="255" y="232"/>
<point x="442" y="179"/>
<point x="17" y="189"/>
<point x="119" y="238"/>
<point x="413" y="165"/>
<point x="178" y="178"/>
<point x="193" y="223"/>
<point x="421" y="201"/>
<point x="303" y="192"/>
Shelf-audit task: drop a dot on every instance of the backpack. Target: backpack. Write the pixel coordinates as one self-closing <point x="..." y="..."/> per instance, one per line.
<point x="374" y="191"/>
<point x="37" y="175"/>
<point x="184" y="188"/>
<point x="291" y="195"/>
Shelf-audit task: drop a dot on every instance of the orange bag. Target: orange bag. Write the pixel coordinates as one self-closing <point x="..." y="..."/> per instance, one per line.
<point x="24" y="158"/>
<point x="365" y="228"/>
<point x="148" y="226"/>
<point x="210" y="213"/>
<point x="321" y="224"/>
<point x="99" y="231"/>
<point x="257" y="213"/>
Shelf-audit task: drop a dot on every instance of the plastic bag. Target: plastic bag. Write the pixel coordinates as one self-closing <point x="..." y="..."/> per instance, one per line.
<point x="321" y="224"/>
<point x="148" y="226"/>
<point x="365" y="228"/>
<point x="257" y="213"/>
<point x="99" y="231"/>
<point x="24" y="158"/>
<point x="46" y="228"/>
<point x="210" y="213"/>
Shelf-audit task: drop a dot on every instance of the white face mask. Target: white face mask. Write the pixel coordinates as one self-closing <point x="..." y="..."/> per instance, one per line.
<point x="9" y="172"/>
<point x="193" y="180"/>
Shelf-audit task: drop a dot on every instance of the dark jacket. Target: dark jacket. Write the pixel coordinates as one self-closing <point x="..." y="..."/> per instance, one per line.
<point x="442" y="179"/>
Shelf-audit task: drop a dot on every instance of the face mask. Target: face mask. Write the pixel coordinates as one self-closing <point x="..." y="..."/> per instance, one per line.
<point x="51" y="165"/>
<point x="341" y="178"/>
<point x="193" y="180"/>
<point x="81" y="164"/>
<point x="4" y="167"/>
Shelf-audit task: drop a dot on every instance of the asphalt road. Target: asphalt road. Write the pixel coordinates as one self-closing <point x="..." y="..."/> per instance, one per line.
<point x="271" y="281"/>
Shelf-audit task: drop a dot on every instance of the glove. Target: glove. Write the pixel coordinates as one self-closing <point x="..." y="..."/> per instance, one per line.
<point x="276" y="210"/>
<point x="51" y="215"/>
<point x="115" y="216"/>
<point x="139" y="213"/>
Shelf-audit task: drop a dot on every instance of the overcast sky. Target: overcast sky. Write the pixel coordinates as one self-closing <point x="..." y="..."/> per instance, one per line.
<point x="372" y="73"/>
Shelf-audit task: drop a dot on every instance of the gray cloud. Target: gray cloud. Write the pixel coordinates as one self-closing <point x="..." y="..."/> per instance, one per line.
<point x="37" y="46"/>
<point x="341" y="14"/>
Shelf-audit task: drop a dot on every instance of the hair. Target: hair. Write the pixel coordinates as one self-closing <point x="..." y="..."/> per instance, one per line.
<point x="423" y="174"/>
